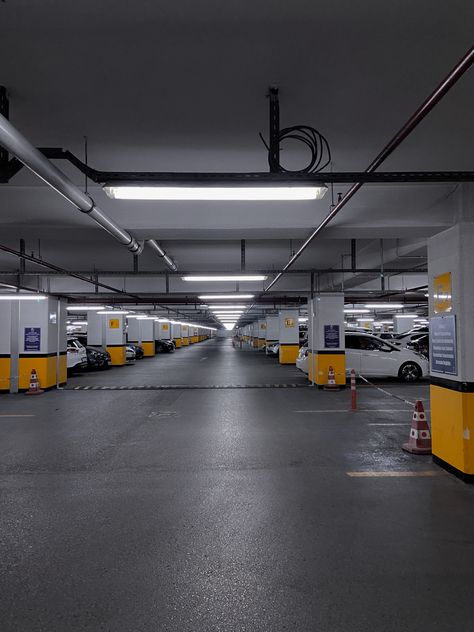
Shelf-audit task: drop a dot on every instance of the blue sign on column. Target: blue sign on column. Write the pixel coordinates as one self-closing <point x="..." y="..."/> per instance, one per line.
<point x="331" y="337"/>
<point x="443" y="344"/>
<point x="32" y="339"/>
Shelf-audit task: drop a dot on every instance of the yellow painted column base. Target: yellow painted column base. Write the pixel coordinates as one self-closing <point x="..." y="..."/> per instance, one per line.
<point x="322" y="362"/>
<point x="185" y="342"/>
<point x="261" y="342"/>
<point x="177" y="343"/>
<point x="148" y="348"/>
<point x="287" y="354"/>
<point x="45" y="370"/>
<point x="5" y="374"/>
<point x="452" y="430"/>
<point x="117" y="355"/>
<point x="194" y="339"/>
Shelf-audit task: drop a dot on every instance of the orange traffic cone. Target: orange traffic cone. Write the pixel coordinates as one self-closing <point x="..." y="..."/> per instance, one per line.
<point x="420" y="437"/>
<point x="34" y="384"/>
<point x="331" y="383"/>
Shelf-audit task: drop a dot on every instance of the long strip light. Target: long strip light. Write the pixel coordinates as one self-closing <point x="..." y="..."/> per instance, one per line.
<point x="217" y="308"/>
<point x="84" y="308"/>
<point x="148" y="191"/>
<point x="22" y="297"/>
<point x="117" y="312"/>
<point x="350" y="310"/>
<point x="406" y="315"/>
<point x="384" y="305"/>
<point x="225" y="297"/>
<point x="225" y="277"/>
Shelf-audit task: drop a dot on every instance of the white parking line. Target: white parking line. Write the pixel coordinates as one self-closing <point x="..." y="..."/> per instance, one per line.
<point x="375" y="424"/>
<point x="17" y="415"/>
<point x="205" y="358"/>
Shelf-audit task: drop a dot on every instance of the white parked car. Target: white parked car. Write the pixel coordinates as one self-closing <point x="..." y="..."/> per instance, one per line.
<point x="76" y="355"/>
<point x="372" y="357"/>
<point x="302" y="360"/>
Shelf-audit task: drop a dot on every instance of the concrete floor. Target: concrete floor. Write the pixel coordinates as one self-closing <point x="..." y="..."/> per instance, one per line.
<point x="226" y="510"/>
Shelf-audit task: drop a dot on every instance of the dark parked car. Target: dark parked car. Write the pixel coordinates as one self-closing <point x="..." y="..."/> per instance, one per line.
<point x="421" y="345"/>
<point x="139" y="353"/>
<point x="97" y="358"/>
<point x="164" y="346"/>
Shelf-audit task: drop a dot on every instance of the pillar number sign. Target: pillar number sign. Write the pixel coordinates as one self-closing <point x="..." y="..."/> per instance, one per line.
<point x="114" y="323"/>
<point x="263" y="325"/>
<point x="165" y="327"/>
<point x="289" y="322"/>
<point x="442" y="293"/>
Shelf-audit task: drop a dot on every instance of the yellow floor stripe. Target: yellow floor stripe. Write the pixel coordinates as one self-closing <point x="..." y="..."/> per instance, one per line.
<point x="375" y="474"/>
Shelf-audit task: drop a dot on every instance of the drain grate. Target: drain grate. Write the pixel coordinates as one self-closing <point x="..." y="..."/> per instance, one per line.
<point x="187" y="387"/>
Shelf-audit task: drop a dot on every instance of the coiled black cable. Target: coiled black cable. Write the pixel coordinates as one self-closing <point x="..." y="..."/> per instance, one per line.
<point x="314" y="140"/>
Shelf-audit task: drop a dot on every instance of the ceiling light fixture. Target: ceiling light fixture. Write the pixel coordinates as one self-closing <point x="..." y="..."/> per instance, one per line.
<point x="223" y="308"/>
<point x="225" y="297"/>
<point x="350" y="310"/>
<point x="22" y="297"/>
<point x="149" y="191"/>
<point x="116" y="312"/>
<point x="84" y="308"/>
<point x="385" y="305"/>
<point x="365" y="320"/>
<point x="225" y="277"/>
<point x="406" y="315"/>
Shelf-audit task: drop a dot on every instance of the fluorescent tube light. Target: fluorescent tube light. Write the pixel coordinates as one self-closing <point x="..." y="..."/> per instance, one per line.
<point x="356" y="310"/>
<point x="385" y="305"/>
<point x="22" y="297"/>
<point x="79" y="322"/>
<point x="148" y="191"/>
<point x="406" y="315"/>
<point x="225" y="297"/>
<point x="84" y="308"/>
<point x="117" y="312"/>
<point x="302" y="320"/>
<point x="225" y="277"/>
<point x="365" y="320"/>
<point x="217" y="308"/>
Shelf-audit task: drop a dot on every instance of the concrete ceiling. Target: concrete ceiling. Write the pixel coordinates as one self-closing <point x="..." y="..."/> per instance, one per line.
<point x="181" y="86"/>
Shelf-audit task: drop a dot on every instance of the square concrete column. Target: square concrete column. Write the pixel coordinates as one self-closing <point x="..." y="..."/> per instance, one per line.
<point x="184" y="335"/>
<point x="272" y="331"/>
<point x="403" y="324"/>
<point x="176" y="334"/>
<point x="326" y="339"/>
<point x="32" y="336"/>
<point x="108" y="331"/>
<point x="141" y="331"/>
<point x="163" y="330"/>
<point x="255" y="334"/>
<point x="289" y="336"/>
<point x="451" y="299"/>
<point x="194" y="335"/>
<point x="262" y="328"/>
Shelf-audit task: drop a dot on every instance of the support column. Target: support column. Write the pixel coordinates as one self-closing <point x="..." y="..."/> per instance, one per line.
<point x="141" y="331"/>
<point x="41" y="342"/>
<point x="289" y="336"/>
<point x="262" y="328"/>
<point x="194" y="335"/>
<point x="451" y="297"/>
<point x="255" y="334"/>
<point x="108" y="331"/>
<point x="176" y="333"/>
<point x="403" y="324"/>
<point x="272" y="331"/>
<point x="6" y="349"/>
<point x="184" y="335"/>
<point x="326" y="340"/>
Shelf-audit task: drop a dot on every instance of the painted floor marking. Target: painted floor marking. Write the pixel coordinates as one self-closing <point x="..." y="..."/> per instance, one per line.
<point x="202" y="359"/>
<point x="17" y="415"/>
<point x="375" y="474"/>
<point x="377" y="424"/>
<point x="359" y="410"/>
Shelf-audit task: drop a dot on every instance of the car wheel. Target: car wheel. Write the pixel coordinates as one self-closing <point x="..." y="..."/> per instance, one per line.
<point x="409" y="372"/>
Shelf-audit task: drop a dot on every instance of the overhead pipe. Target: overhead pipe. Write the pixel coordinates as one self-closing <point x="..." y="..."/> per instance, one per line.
<point x="443" y="88"/>
<point x="155" y="246"/>
<point x="15" y="143"/>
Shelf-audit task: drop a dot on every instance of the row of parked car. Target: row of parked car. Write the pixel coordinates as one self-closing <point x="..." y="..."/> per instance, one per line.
<point x="81" y="356"/>
<point x="404" y="357"/>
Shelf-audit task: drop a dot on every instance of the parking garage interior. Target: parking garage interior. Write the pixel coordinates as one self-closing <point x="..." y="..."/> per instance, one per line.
<point x="236" y="310"/>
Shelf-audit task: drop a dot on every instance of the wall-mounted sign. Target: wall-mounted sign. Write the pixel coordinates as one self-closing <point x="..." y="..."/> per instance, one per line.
<point x="32" y="340"/>
<point x="443" y="344"/>
<point x="442" y="293"/>
<point x="289" y="322"/>
<point x="263" y="325"/>
<point x="331" y="337"/>
<point x="165" y="326"/>
<point x="114" y="323"/>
